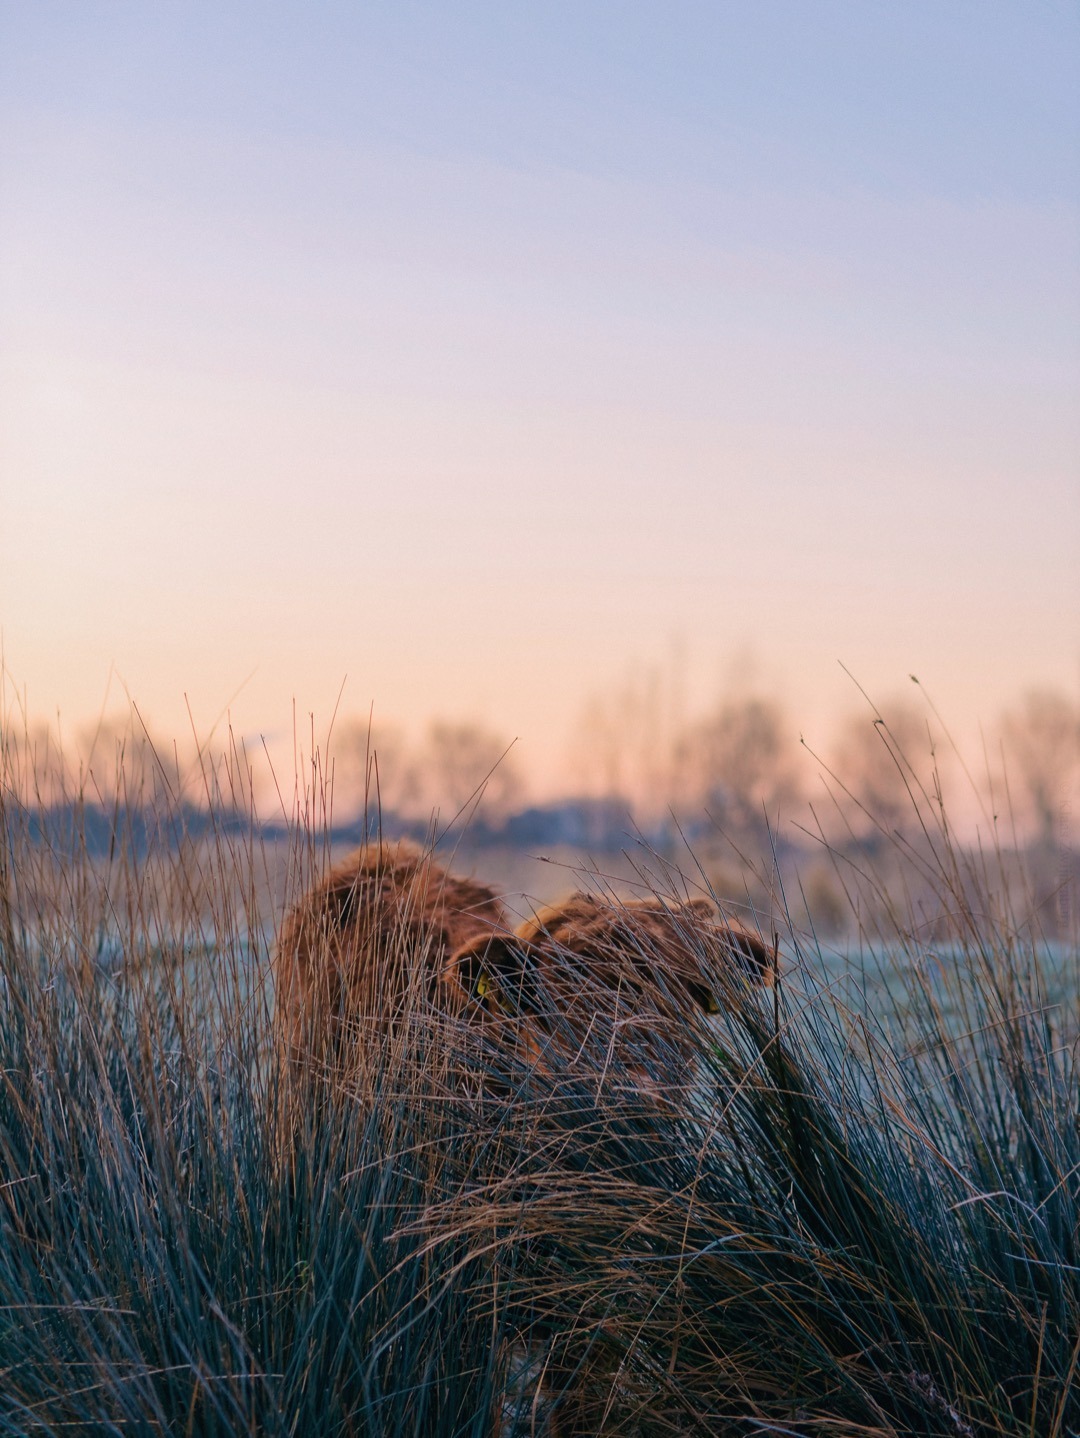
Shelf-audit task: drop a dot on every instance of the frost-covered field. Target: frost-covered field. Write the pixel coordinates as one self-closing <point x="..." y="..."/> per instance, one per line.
<point x="862" y="1220"/>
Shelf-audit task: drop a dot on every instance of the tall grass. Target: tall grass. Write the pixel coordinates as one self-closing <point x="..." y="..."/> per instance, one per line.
<point x="182" y="1248"/>
<point x="859" y="1217"/>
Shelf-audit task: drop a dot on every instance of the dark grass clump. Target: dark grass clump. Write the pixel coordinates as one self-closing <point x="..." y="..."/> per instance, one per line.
<point x="825" y="1236"/>
<point x="176" y="1255"/>
<point x="195" y="1238"/>
<point x="862" y="1218"/>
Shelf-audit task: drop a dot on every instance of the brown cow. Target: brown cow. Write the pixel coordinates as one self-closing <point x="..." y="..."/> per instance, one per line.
<point x="381" y="922"/>
<point x="631" y="974"/>
<point x="617" y="978"/>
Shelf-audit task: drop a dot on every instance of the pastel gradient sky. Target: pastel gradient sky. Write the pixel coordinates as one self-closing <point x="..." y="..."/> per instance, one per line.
<point x="478" y="354"/>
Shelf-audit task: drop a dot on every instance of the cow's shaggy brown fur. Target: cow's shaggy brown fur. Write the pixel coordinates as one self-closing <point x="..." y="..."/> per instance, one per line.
<point x="631" y="974"/>
<point x="380" y="926"/>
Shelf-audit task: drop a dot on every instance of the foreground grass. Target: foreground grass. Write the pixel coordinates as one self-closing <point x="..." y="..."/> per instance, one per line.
<point x="851" y="1222"/>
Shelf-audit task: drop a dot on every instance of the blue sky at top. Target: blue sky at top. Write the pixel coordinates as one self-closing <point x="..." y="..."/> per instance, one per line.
<point x="962" y="99"/>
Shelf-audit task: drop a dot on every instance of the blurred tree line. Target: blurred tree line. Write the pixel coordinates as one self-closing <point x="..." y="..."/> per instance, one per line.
<point x="738" y="770"/>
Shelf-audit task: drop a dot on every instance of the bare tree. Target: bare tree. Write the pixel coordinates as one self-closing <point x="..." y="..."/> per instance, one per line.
<point x="741" y="763"/>
<point x="372" y="768"/>
<point x="884" y="760"/>
<point x="623" y="746"/>
<point x="222" y="773"/>
<point x="33" y="767"/>
<point x="463" y="764"/>
<point x="121" y="763"/>
<point x="1041" y="739"/>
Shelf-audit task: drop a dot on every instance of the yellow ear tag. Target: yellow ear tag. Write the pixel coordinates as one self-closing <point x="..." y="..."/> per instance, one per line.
<point x="482" y="986"/>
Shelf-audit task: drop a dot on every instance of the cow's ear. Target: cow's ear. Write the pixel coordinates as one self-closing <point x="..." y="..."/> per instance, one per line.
<point x="701" y="908"/>
<point x="758" y="958"/>
<point x="487" y="960"/>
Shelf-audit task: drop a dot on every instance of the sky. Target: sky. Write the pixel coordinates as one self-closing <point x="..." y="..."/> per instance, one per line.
<point x="467" y="359"/>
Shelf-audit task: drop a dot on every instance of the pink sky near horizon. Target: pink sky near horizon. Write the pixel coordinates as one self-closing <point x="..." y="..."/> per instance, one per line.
<point x="484" y="399"/>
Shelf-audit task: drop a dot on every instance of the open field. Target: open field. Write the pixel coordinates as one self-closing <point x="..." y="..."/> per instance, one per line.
<point x="860" y="1217"/>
